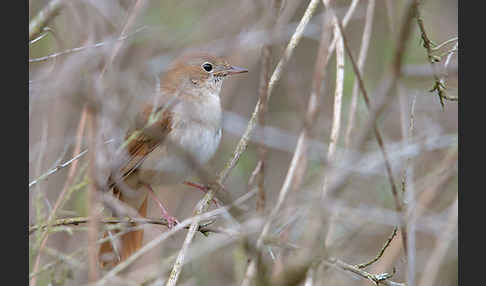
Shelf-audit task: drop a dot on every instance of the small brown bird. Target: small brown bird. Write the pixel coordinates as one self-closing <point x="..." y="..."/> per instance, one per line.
<point x="175" y="133"/>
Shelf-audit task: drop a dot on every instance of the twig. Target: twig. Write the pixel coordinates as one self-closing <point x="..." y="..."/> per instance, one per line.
<point x="60" y="199"/>
<point x="243" y="143"/>
<point x="443" y="242"/>
<point x="346" y="19"/>
<point x="409" y="195"/>
<point x="299" y="158"/>
<point x="113" y="220"/>
<point x="353" y="106"/>
<point x="338" y="97"/>
<point x="46" y="31"/>
<point x="428" y="195"/>
<point x="183" y="224"/>
<point x="59" y="167"/>
<point x="397" y="63"/>
<point x="82" y="251"/>
<point x="375" y="278"/>
<point x="380" y="254"/>
<point x="266" y="56"/>
<point x="37" y="24"/>
<point x="93" y="204"/>
<point x="379" y="137"/>
<point x="363" y="52"/>
<point x="295" y="273"/>
<point x="262" y="149"/>
<point x="439" y="46"/>
<point x="439" y="84"/>
<point x="135" y="11"/>
<point x="80" y="49"/>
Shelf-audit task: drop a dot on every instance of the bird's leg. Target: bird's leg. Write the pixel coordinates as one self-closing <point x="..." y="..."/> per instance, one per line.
<point x="202" y="188"/>
<point x="171" y="221"/>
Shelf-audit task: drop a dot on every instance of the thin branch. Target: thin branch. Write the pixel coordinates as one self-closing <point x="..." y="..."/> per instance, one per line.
<point x="80" y="49"/>
<point x="93" y="204"/>
<point x="346" y="19"/>
<point x="379" y="137"/>
<point x="135" y="11"/>
<point x="363" y="52"/>
<point x="294" y="273"/>
<point x="183" y="224"/>
<point x="266" y="56"/>
<point x="380" y="254"/>
<point x="375" y="278"/>
<point x="338" y="98"/>
<point x="37" y="24"/>
<point x="439" y="84"/>
<point x="262" y="149"/>
<point x="439" y="46"/>
<point x="294" y="41"/>
<point x="82" y="250"/>
<point x="353" y="107"/>
<point x="61" y="198"/>
<point x="397" y="63"/>
<point x="113" y="220"/>
<point x="45" y="31"/>
<point x="298" y="163"/>
<point x="243" y="143"/>
<point x="59" y="167"/>
<point x="408" y="187"/>
<point x="443" y="242"/>
<point x="434" y="182"/>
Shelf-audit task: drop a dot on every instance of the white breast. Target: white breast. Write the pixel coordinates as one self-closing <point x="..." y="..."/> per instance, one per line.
<point x="192" y="142"/>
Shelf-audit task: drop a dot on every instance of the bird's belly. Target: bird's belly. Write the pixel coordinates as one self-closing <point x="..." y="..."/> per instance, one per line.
<point x="185" y="150"/>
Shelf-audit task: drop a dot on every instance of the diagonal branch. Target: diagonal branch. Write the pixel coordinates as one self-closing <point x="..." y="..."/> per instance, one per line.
<point x="43" y="17"/>
<point x="396" y="68"/>
<point x="243" y="143"/>
<point x="298" y="165"/>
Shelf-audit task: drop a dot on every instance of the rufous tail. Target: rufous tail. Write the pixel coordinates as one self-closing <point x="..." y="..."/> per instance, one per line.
<point x="125" y="245"/>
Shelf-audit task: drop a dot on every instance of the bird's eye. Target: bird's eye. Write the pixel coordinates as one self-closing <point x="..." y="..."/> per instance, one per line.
<point x="207" y="67"/>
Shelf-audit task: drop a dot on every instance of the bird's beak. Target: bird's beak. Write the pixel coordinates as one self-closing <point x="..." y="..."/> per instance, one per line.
<point x="234" y="70"/>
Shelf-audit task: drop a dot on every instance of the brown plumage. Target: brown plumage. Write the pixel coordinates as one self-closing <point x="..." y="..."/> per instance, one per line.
<point x="144" y="140"/>
<point x="183" y="120"/>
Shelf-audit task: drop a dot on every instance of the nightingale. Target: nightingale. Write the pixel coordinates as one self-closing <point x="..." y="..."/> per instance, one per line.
<point x="174" y="133"/>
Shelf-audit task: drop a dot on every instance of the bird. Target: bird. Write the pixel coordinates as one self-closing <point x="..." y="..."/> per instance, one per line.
<point x="175" y="132"/>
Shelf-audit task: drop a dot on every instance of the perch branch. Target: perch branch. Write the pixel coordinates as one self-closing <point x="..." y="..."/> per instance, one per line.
<point x="112" y="220"/>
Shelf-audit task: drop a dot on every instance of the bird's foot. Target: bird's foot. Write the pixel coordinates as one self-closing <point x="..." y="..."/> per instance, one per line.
<point x="205" y="188"/>
<point x="171" y="221"/>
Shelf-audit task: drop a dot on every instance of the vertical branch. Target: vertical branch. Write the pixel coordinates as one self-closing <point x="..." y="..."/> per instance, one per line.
<point x="243" y="143"/>
<point x="263" y="92"/>
<point x="336" y="121"/>
<point x="60" y="199"/>
<point x="408" y="187"/>
<point x="389" y="86"/>
<point x="136" y="10"/>
<point x="93" y="204"/>
<point x="262" y="150"/>
<point x="439" y="84"/>
<point x="434" y="182"/>
<point x="443" y="243"/>
<point x="338" y="96"/>
<point x="298" y="163"/>
<point x="353" y="108"/>
<point x="346" y="20"/>
<point x="363" y="52"/>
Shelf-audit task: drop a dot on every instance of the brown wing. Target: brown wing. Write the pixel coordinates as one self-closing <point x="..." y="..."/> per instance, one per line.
<point x="151" y="128"/>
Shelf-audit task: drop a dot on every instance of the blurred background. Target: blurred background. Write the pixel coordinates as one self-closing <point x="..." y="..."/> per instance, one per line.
<point x="106" y="55"/>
